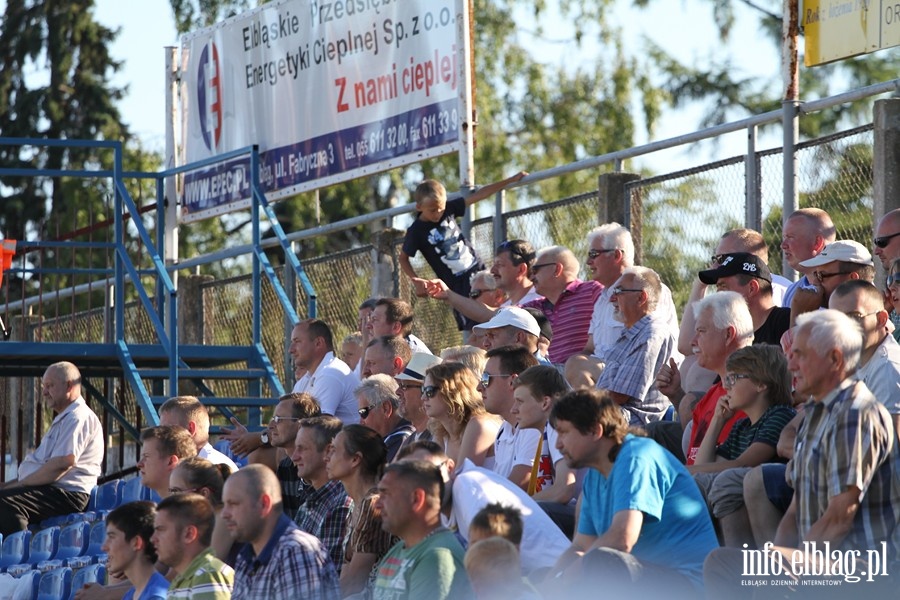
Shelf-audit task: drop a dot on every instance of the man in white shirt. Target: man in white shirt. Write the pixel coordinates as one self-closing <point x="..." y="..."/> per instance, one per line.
<point x="328" y="379"/>
<point x="514" y="448"/>
<point x="57" y="478"/>
<point x="611" y="252"/>
<point x="188" y="412"/>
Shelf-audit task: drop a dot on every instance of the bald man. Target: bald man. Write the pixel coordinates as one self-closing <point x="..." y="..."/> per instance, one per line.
<point x="804" y="235"/>
<point x="279" y="560"/>
<point x="887" y="238"/>
<point x="57" y="478"/>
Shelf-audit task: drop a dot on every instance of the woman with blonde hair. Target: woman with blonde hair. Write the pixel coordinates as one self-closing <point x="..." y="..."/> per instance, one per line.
<point x="457" y="416"/>
<point x="202" y="477"/>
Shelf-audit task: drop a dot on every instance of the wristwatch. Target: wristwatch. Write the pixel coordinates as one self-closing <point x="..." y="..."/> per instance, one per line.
<point x="264" y="438"/>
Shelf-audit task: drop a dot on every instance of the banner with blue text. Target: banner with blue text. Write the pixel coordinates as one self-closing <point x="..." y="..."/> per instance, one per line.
<point x="329" y="91"/>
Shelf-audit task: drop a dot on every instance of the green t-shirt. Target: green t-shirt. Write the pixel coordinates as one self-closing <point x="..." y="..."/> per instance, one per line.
<point x="206" y="578"/>
<point x="431" y="569"/>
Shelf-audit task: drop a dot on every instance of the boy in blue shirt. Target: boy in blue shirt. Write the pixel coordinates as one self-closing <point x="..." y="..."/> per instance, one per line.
<point x="129" y="550"/>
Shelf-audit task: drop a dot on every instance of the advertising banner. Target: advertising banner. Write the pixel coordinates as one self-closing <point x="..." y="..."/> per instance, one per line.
<point x="837" y="29"/>
<point x="329" y="90"/>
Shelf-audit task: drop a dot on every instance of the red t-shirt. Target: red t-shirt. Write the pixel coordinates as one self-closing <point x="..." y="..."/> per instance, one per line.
<point x="702" y="417"/>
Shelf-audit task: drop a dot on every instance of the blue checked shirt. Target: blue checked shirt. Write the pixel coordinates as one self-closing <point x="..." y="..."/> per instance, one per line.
<point x="632" y="365"/>
<point x="326" y="515"/>
<point x="293" y="565"/>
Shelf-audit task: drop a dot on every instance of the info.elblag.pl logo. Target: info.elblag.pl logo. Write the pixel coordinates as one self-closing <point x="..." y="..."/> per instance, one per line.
<point x="209" y="96"/>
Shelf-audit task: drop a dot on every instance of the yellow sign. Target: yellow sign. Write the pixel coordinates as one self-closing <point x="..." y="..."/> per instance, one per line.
<point x="836" y="29"/>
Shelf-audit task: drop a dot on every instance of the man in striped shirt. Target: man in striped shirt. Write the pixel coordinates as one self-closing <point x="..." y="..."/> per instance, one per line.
<point x="182" y="534"/>
<point x="568" y="302"/>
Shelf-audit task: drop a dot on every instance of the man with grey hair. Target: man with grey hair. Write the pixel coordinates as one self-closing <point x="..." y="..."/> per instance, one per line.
<point x="57" y="478"/>
<point x="722" y="325"/>
<point x="611" y="251"/>
<point x="378" y="409"/>
<point x="845" y="470"/>
<point x="485" y="290"/>
<point x="188" y="412"/>
<point x="387" y="354"/>
<point x="567" y="301"/>
<point x="644" y="346"/>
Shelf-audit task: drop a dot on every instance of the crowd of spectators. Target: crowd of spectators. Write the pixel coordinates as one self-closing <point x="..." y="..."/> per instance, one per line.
<point x="582" y="440"/>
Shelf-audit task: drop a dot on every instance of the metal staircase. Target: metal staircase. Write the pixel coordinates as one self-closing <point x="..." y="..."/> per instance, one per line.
<point x="153" y="370"/>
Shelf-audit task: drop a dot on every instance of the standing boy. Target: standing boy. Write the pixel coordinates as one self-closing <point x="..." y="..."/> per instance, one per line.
<point x="436" y="233"/>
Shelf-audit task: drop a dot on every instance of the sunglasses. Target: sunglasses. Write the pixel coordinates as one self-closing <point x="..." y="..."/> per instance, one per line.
<point x="430" y="391"/>
<point x="882" y="242"/>
<point x="364" y="412"/>
<point x="515" y="250"/>
<point x="276" y="419"/>
<point x="592" y="254"/>
<point x="475" y="294"/>
<point x="535" y="268"/>
<point x="620" y="290"/>
<point x="823" y="276"/>
<point x="717" y="258"/>
<point x="486" y="379"/>
<point x="407" y="386"/>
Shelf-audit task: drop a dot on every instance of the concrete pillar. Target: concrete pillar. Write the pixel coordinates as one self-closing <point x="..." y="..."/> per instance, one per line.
<point x="886" y="163"/>
<point x="614" y="205"/>
<point x="386" y="276"/>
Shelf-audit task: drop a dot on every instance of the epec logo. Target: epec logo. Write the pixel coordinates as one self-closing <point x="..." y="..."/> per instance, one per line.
<point x="209" y="96"/>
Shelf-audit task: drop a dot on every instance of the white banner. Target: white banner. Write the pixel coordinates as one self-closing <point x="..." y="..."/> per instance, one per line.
<point x="330" y="91"/>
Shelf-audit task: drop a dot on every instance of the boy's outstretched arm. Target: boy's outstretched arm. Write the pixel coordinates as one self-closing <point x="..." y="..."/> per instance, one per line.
<point x="489" y="190"/>
<point x="407" y="268"/>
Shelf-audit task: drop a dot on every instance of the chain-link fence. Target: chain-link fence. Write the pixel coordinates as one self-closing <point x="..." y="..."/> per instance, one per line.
<point x="685" y="213"/>
<point x="681" y="216"/>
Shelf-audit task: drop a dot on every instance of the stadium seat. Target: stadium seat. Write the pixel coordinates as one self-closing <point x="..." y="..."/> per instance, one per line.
<point x="97" y="537"/>
<point x="670" y="414"/>
<point x="44" y="545"/>
<point x="55" y="584"/>
<point x="15" y="549"/>
<point x="35" y="579"/>
<point x="108" y="495"/>
<point x="132" y="491"/>
<point x="73" y="543"/>
<point x="92" y="501"/>
<point x="88" y="574"/>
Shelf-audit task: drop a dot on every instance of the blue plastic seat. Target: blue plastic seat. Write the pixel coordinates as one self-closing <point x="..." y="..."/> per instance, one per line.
<point x="132" y="491"/>
<point x="35" y="578"/>
<point x="89" y="574"/>
<point x="108" y="495"/>
<point x="73" y="543"/>
<point x="55" y="584"/>
<point x="96" y="539"/>
<point x="15" y="549"/>
<point x="670" y="413"/>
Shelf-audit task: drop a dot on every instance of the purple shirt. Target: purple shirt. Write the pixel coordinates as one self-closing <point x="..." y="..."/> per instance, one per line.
<point x="570" y="318"/>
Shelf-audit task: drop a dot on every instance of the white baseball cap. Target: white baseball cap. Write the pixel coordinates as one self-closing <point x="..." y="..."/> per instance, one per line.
<point x="515" y="316"/>
<point x="842" y="250"/>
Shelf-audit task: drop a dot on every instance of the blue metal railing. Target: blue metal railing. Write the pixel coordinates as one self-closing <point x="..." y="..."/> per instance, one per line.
<point x="163" y="312"/>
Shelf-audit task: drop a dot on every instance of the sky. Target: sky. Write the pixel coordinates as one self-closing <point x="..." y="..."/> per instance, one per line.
<point x="683" y="27"/>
